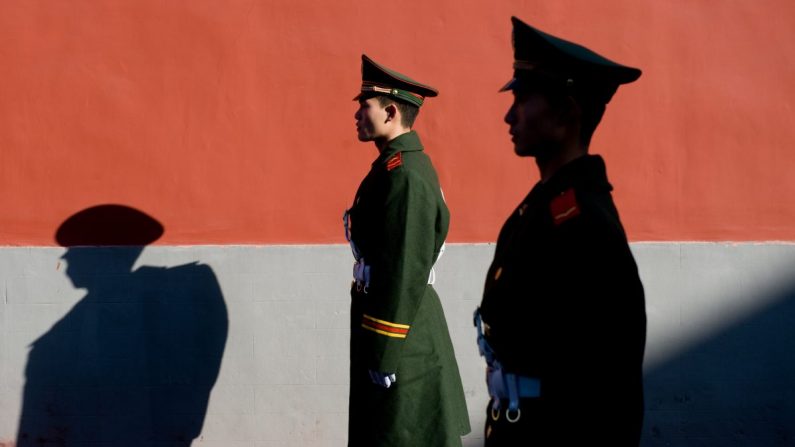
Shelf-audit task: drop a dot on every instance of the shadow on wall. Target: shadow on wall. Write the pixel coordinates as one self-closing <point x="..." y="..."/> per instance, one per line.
<point x="735" y="389"/>
<point x="133" y="362"/>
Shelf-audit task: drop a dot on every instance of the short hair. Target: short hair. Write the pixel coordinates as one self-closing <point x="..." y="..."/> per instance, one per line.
<point x="592" y="112"/>
<point x="408" y="112"/>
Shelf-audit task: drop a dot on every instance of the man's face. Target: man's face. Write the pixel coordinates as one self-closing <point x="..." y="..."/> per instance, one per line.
<point x="86" y="266"/>
<point x="534" y="130"/>
<point x="371" y="119"/>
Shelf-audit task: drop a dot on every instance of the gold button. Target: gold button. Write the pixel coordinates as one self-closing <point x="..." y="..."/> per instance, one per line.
<point x="498" y="273"/>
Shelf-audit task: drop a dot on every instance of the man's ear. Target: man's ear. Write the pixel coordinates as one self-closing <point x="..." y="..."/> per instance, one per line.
<point x="570" y="111"/>
<point x="565" y="115"/>
<point x="391" y="112"/>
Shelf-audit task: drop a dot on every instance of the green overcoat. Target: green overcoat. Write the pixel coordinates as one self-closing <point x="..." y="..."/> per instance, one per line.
<point x="398" y="223"/>
<point x="563" y="303"/>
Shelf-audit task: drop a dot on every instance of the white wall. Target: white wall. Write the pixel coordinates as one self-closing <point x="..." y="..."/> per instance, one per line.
<point x="719" y="364"/>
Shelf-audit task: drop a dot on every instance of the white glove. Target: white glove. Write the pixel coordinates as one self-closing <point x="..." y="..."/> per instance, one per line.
<point x="383" y="379"/>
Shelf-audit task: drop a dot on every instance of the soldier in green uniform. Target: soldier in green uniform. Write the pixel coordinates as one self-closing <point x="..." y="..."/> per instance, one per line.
<point x="405" y="389"/>
<point x="562" y="323"/>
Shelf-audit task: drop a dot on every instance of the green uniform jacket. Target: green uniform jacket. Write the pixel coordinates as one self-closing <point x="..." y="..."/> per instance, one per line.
<point x="563" y="302"/>
<point x="398" y="223"/>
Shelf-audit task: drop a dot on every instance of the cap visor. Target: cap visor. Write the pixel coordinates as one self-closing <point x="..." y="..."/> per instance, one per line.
<point x="509" y="86"/>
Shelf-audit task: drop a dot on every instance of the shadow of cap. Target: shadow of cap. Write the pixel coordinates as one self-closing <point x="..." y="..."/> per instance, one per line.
<point x="108" y="225"/>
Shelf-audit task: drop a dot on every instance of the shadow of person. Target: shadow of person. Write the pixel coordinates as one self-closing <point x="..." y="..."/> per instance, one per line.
<point x="736" y="387"/>
<point x="134" y="361"/>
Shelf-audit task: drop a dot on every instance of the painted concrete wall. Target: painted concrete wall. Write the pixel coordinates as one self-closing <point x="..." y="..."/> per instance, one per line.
<point x="719" y="365"/>
<point x="232" y="122"/>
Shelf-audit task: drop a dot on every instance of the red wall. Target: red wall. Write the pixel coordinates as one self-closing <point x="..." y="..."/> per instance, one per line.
<point x="232" y="122"/>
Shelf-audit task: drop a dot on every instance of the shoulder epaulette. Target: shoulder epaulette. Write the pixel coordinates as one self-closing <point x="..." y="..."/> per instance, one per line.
<point x="394" y="161"/>
<point x="564" y="206"/>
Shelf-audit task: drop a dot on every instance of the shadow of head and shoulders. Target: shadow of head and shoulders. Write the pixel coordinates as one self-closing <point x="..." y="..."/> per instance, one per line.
<point x="135" y="359"/>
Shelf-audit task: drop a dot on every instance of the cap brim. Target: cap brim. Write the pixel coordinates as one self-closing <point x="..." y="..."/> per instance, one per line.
<point x="509" y="86"/>
<point x="108" y="225"/>
<point x="364" y="95"/>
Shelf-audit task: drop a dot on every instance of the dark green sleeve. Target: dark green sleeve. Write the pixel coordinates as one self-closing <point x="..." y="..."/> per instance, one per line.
<point x="598" y="355"/>
<point x="400" y="267"/>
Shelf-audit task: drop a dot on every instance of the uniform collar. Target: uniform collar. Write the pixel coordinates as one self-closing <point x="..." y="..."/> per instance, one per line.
<point x="407" y="142"/>
<point x="587" y="172"/>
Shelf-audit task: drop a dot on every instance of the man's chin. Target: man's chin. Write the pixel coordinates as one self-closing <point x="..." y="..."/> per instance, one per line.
<point x="364" y="138"/>
<point x="522" y="151"/>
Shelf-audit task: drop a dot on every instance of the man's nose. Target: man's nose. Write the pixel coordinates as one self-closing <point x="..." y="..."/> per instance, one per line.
<point x="509" y="119"/>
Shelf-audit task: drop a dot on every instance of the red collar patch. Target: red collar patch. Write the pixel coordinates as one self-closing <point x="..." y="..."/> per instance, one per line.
<point x="564" y="207"/>
<point x="394" y="161"/>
